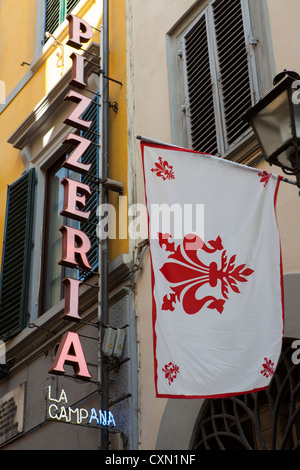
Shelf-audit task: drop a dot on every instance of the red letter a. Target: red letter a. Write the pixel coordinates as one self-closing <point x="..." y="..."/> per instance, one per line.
<point x="70" y="352"/>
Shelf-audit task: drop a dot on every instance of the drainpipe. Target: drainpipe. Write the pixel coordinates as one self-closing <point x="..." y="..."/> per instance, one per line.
<point x="104" y="259"/>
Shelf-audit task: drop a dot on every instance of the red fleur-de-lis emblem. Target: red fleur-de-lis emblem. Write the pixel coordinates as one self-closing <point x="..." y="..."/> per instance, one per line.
<point x="267" y="368"/>
<point x="264" y="177"/>
<point x="163" y="170"/>
<point x="187" y="272"/>
<point x="171" y="370"/>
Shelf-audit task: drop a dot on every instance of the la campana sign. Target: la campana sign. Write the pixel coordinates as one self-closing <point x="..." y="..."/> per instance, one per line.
<point x="75" y="243"/>
<point x="58" y="409"/>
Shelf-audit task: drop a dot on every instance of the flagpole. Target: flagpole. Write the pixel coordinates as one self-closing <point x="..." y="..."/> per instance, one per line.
<point x="286" y="180"/>
<point x="158" y="142"/>
<point x="153" y="141"/>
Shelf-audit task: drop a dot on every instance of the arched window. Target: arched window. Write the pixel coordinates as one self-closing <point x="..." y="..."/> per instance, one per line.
<point x="266" y="420"/>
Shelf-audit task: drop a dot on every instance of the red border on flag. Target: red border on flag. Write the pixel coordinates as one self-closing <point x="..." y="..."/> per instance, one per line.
<point x="154" y="310"/>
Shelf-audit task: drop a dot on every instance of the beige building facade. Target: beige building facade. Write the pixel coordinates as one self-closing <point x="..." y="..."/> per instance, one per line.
<point x="162" y="111"/>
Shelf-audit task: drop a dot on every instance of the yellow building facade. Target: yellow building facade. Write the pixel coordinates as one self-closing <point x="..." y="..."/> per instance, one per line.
<point x="38" y="84"/>
<point x="31" y="72"/>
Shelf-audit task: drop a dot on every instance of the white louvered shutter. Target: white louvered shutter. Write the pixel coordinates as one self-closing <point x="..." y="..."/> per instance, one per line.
<point x="200" y="108"/>
<point x="218" y="78"/>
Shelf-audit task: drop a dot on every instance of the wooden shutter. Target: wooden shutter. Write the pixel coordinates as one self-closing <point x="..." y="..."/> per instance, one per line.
<point x="15" y="271"/>
<point x="233" y="66"/>
<point x="71" y="4"/>
<point x="52" y="16"/>
<point x="200" y="93"/>
<point x="92" y="156"/>
<point x="217" y="77"/>
<point x="56" y="12"/>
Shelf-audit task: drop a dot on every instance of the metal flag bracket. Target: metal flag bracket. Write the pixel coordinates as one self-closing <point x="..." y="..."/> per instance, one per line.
<point x="107" y="183"/>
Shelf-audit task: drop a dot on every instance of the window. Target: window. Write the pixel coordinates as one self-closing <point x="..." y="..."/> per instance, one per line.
<point x="15" y="275"/>
<point x="264" y="420"/>
<point x="53" y="273"/>
<point x="56" y="13"/>
<point x="218" y="75"/>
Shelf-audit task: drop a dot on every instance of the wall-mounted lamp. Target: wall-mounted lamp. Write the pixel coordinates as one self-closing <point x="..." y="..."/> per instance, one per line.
<point x="275" y="120"/>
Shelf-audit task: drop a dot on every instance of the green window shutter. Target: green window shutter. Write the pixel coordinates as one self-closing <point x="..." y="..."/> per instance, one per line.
<point x="52" y="15"/>
<point x="71" y="4"/>
<point x="56" y="12"/>
<point x="17" y="244"/>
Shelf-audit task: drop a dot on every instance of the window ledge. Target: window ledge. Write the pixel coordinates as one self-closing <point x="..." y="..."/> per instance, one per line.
<point x="47" y="106"/>
<point x="244" y="150"/>
<point x="44" y="333"/>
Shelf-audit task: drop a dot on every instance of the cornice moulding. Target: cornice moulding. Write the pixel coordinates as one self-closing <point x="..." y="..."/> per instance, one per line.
<point x="49" y="105"/>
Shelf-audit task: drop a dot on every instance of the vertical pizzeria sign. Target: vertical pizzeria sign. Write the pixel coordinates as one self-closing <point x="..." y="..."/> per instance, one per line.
<point x="75" y="243"/>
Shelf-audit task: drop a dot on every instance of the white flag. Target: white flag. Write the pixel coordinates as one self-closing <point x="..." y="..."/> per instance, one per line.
<point x="216" y="273"/>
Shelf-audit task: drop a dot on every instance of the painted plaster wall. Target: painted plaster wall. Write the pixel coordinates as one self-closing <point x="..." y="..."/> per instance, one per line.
<point x="149" y="22"/>
<point x="14" y="23"/>
<point x="285" y="37"/>
<point x="23" y="87"/>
